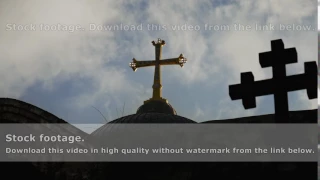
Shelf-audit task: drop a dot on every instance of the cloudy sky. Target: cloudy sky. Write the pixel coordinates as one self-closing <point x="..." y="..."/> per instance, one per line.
<point x="318" y="49"/>
<point x="47" y="62"/>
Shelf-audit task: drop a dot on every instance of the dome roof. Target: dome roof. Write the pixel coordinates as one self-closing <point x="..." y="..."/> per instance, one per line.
<point x="152" y="118"/>
<point x="156" y="106"/>
<point x="143" y="118"/>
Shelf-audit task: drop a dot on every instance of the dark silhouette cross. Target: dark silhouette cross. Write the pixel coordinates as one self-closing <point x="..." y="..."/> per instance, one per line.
<point x="280" y="84"/>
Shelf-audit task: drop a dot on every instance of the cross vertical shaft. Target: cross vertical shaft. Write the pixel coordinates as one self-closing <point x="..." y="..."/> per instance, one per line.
<point x="157" y="86"/>
<point x="281" y="104"/>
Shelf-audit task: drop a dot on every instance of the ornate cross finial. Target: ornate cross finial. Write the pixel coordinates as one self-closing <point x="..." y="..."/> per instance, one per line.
<point x="159" y="42"/>
<point x="157" y="87"/>
<point x="280" y="84"/>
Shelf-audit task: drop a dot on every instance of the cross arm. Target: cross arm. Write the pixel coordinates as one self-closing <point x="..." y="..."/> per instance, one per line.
<point x="178" y="61"/>
<point x="249" y="89"/>
<point x="270" y="58"/>
<point x="138" y="64"/>
<point x="307" y="81"/>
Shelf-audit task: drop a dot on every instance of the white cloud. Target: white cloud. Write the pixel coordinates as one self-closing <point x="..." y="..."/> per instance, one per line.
<point x="52" y="57"/>
<point x="318" y="16"/>
<point x="48" y="55"/>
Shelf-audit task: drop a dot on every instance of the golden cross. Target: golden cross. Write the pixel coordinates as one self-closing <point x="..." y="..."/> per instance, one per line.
<point x="157" y="87"/>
